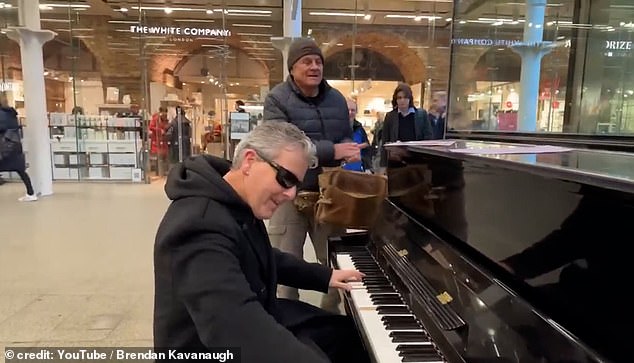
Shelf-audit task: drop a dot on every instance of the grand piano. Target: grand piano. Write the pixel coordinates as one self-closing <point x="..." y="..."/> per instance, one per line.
<point x="481" y="256"/>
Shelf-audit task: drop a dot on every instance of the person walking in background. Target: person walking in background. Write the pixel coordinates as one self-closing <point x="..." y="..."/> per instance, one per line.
<point x="405" y="122"/>
<point x="11" y="152"/>
<point x="438" y="114"/>
<point x="307" y="101"/>
<point x="360" y="137"/>
<point x="179" y="140"/>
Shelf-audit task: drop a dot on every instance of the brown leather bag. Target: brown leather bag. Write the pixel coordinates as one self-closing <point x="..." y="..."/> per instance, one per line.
<point x="305" y="202"/>
<point x="350" y="199"/>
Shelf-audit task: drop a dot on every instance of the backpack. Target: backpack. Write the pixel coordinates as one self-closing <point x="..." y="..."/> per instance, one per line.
<point x="10" y="144"/>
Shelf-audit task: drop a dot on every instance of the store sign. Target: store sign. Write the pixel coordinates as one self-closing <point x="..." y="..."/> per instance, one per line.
<point x="618" y="45"/>
<point x="175" y="31"/>
<point x="6" y="86"/>
<point x="484" y="41"/>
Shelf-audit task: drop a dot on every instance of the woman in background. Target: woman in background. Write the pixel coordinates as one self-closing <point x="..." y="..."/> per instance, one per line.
<point x="11" y="154"/>
<point x="405" y="122"/>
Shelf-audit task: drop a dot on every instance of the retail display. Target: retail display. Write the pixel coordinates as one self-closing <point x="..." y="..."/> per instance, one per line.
<point x="95" y="147"/>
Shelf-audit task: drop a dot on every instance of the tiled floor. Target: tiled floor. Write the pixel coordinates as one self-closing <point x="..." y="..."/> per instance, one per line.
<point x="76" y="267"/>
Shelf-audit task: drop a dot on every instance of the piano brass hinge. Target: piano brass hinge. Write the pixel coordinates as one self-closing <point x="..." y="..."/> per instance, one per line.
<point x="403" y="253"/>
<point x="444" y="298"/>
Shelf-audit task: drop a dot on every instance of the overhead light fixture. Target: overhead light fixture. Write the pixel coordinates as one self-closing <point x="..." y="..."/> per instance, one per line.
<point x="367" y="17"/>
<point x="76" y="6"/>
<point x="256" y="34"/>
<point x="253" y="25"/>
<point x="209" y="12"/>
<point x="328" y="13"/>
<point x="56" y="20"/>
<point x="168" y="10"/>
<point x="245" y="11"/>
<point x="163" y="8"/>
<point x="123" y="9"/>
<point x="195" y="20"/>
<point x="255" y="41"/>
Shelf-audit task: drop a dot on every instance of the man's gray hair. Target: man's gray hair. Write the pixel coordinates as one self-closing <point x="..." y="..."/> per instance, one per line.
<point x="271" y="137"/>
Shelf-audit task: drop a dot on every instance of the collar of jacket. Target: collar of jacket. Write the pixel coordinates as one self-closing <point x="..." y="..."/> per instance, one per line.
<point x="323" y="88"/>
<point x="356" y="124"/>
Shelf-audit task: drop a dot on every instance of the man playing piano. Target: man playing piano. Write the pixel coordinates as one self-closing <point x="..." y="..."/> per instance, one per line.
<point x="216" y="273"/>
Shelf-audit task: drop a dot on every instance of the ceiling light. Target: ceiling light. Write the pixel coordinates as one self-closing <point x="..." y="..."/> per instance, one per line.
<point x="255" y="41"/>
<point x="76" y="6"/>
<point x="246" y="11"/>
<point x="123" y="9"/>
<point x="55" y="20"/>
<point x="195" y="20"/>
<point x="168" y="10"/>
<point x="253" y="25"/>
<point x="327" y="13"/>
<point x="163" y="8"/>
<point x="367" y="17"/>
<point x="255" y="34"/>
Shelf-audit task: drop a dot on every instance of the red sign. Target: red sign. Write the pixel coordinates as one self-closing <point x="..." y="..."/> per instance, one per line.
<point x="509" y="104"/>
<point x="555" y="104"/>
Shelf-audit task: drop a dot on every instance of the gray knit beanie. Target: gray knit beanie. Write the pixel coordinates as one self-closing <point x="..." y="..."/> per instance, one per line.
<point x="301" y="47"/>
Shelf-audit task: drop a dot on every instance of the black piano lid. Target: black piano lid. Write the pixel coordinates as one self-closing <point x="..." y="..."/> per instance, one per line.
<point x="561" y="221"/>
<point x="605" y="169"/>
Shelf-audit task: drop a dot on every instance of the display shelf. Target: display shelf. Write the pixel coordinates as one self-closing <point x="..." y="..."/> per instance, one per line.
<point x="95" y="147"/>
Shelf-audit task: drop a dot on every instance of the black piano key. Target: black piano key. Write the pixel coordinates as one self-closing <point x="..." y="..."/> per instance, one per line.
<point x="401" y="325"/>
<point x="387" y="301"/>
<point x="417" y="349"/>
<point x="380" y="289"/>
<point x="394" y="295"/>
<point x="401" y="318"/>
<point x="409" y="337"/>
<point x="387" y="310"/>
<point x="421" y="358"/>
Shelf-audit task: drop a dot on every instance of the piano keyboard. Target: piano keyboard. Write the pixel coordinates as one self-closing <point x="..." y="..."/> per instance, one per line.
<point x="394" y="333"/>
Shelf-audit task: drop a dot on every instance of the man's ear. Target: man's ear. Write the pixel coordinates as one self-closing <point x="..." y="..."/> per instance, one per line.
<point x="249" y="158"/>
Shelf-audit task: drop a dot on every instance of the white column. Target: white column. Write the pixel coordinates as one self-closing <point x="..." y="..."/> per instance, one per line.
<point x="532" y="49"/>
<point x="292" y="29"/>
<point x="31" y="38"/>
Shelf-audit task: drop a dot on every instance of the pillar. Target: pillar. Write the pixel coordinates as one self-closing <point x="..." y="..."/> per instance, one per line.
<point x="292" y="29"/>
<point x="531" y="49"/>
<point x="31" y="37"/>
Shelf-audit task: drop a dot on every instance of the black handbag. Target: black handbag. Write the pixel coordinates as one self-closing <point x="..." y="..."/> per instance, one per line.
<point x="10" y="144"/>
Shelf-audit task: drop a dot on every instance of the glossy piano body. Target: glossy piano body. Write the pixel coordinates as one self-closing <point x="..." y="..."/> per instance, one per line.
<point x="530" y="251"/>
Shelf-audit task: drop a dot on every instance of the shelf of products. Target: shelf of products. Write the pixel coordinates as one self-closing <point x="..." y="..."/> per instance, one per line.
<point x="95" y="147"/>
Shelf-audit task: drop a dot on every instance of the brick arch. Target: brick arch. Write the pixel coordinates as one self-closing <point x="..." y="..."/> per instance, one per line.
<point x="199" y="50"/>
<point x="409" y="61"/>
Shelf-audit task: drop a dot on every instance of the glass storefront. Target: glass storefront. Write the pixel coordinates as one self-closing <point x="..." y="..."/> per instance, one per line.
<point x="583" y="81"/>
<point x="134" y="86"/>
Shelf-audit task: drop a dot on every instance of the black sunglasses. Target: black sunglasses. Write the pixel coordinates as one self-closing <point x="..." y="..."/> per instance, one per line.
<point x="284" y="177"/>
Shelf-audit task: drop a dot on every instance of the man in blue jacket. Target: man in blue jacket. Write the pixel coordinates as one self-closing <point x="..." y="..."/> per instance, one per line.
<point x="360" y="137"/>
<point x="307" y="101"/>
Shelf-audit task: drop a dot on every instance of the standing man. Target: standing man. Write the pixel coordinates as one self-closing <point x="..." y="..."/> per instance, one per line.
<point x="307" y="101"/>
<point x="360" y="137"/>
<point x="438" y="114"/>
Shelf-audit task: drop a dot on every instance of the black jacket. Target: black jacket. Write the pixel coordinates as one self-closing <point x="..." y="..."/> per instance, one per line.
<point x="216" y="273"/>
<point x="422" y="129"/>
<point x="323" y="118"/>
<point x="10" y="128"/>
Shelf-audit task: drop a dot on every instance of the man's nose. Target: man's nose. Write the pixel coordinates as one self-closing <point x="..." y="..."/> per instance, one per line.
<point x="290" y="193"/>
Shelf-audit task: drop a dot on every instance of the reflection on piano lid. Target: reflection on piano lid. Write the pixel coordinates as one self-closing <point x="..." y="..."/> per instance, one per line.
<point x="495" y="259"/>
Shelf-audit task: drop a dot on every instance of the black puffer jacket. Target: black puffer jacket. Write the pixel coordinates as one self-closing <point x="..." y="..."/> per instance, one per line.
<point x="9" y="124"/>
<point x="323" y="118"/>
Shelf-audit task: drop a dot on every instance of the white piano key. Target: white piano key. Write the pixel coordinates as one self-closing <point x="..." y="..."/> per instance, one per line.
<point x="380" y="342"/>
